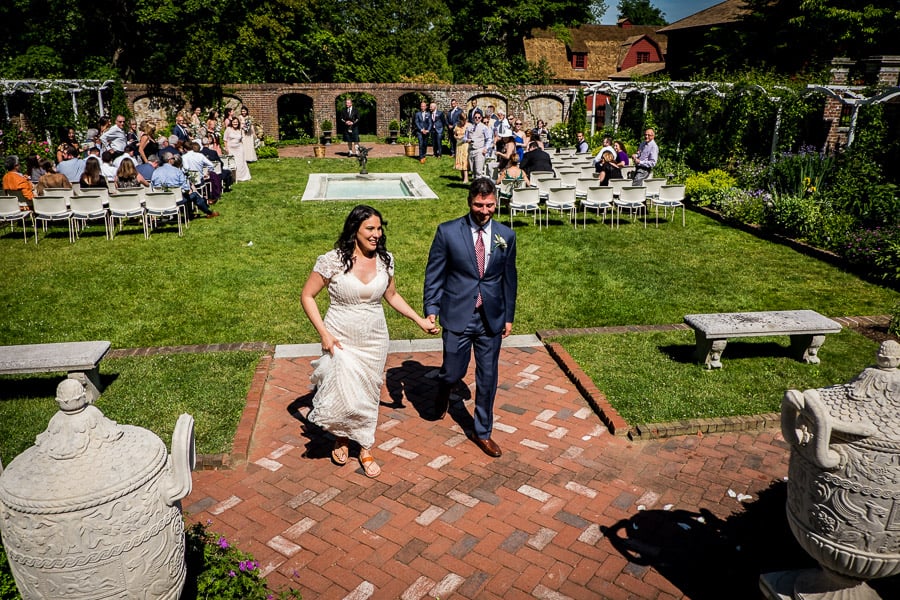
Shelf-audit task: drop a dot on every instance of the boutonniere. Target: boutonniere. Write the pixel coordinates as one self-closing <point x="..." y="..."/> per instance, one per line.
<point x="499" y="242"/>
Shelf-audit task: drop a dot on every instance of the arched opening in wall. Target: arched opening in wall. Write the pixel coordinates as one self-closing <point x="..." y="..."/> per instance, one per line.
<point x="295" y="117"/>
<point x="367" y="106"/>
<point x="485" y="102"/>
<point x="548" y="109"/>
<point x="409" y="106"/>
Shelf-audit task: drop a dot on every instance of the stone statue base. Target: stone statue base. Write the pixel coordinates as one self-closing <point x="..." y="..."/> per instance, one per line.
<point x="813" y="584"/>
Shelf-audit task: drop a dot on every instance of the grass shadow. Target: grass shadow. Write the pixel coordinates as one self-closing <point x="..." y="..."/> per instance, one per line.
<point x="40" y="386"/>
<point x="684" y="353"/>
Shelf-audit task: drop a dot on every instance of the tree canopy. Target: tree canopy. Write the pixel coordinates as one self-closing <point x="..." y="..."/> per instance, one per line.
<point x="641" y="12"/>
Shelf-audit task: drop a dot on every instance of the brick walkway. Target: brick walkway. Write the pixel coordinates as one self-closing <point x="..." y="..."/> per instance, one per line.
<point x="568" y="511"/>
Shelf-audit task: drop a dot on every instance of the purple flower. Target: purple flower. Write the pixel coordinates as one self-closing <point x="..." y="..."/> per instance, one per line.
<point x="223" y="543"/>
<point x="232" y="574"/>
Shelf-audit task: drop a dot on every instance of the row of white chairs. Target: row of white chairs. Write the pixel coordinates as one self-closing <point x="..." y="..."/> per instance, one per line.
<point x="78" y="210"/>
<point x="600" y="199"/>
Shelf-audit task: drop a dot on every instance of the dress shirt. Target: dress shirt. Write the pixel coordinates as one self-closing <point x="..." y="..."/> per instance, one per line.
<point x="72" y="169"/>
<point x="167" y="176"/>
<point x="648" y="154"/>
<point x="194" y="161"/>
<point x="488" y="245"/>
<point x="114" y="139"/>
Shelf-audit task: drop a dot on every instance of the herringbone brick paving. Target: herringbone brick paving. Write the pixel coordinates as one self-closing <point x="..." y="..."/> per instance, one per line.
<point x="568" y="511"/>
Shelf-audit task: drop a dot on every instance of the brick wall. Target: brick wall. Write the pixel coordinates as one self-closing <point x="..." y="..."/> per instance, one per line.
<point x="262" y="100"/>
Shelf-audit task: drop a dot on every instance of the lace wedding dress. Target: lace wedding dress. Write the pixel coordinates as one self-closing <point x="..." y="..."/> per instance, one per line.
<point x="349" y="383"/>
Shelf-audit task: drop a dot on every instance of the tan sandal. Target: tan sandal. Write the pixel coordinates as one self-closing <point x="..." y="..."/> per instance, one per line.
<point x="341" y="452"/>
<point x="370" y="467"/>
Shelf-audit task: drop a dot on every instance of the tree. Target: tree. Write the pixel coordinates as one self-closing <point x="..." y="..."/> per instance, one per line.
<point x="577" y="115"/>
<point x="641" y="12"/>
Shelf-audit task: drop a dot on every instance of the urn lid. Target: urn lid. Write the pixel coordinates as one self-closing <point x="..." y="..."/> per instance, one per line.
<point x="82" y="459"/>
<point x="873" y="396"/>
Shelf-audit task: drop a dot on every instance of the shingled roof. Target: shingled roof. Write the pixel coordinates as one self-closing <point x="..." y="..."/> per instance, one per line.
<point x="602" y="43"/>
<point x="719" y="14"/>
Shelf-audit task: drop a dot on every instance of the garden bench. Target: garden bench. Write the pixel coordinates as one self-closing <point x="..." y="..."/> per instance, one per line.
<point x="806" y="328"/>
<point x="81" y="360"/>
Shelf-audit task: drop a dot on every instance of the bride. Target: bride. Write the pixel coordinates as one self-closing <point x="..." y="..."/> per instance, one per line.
<point x="358" y="273"/>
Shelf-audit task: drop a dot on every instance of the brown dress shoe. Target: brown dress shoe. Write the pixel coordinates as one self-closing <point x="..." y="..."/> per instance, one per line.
<point x="212" y="215"/>
<point x="488" y="446"/>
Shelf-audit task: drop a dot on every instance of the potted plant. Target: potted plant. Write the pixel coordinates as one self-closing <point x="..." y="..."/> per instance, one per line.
<point x="410" y="141"/>
<point x="393" y="131"/>
<point x="327" y="129"/>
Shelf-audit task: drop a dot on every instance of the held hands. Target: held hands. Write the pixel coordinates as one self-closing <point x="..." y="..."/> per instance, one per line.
<point x="507" y="329"/>
<point x="428" y="325"/>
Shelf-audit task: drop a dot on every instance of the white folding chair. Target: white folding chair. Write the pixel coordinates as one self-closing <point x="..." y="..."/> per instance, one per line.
<point x="617" y="185"/>
<point x="88" y="208"/>
<point x="49" y="209"/>
<point x="633" y="199"/>
<point x="653" y="184"/>
<point x="599" y="198"/>
<point x="545" y="184"/>
<point x="627" y="172"/>
<point x="126" y="205"/>
<point x="562" y="199"/>
<point x="10" y="212"/>
<point x="536" y="176"/>
<point x="525" y="200"/>
<point x="581" y="186"/>
<point x="670" y="196"/>
<point x="160" y="205"/>
<point x="569" y="177"/>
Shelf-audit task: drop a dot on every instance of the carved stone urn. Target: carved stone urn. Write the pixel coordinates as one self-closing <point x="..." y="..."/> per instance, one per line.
<point x="92" y="509"/>
<point x="843" y="493"/>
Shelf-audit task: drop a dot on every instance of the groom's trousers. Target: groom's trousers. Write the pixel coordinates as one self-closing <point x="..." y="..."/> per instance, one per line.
<point x="458" y="348"/>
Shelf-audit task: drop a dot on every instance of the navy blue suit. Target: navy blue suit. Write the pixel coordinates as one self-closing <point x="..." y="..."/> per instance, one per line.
<point x="452" y="286"/>
<point x="422" y="121"/>
<point x="438" y="120"/>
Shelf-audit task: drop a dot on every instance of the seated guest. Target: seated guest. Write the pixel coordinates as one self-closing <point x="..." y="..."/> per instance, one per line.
<point x="71" y="166"/>
<point x="131" y="153"/>
<point x="146" y="168"/>
<point x="607" y="168"/>
<point x="175" y="146"/>
<point x="170" y="176"/>
<point x="127" y="177"/>
<point x="607" y="147"/>
<point x="147" y="143"/>
<point x="209" y="151"/>
<point x="93" y="175"/>
<point x="536" y="159"/>
<point x="15" y="181"/>
<point x="511" y="177"/>
<point x="621" y="154"/>
<point x="581" y="145"/>
<point x="33" y="168"/>
<point x="71" y="139"/>
<point x="51" y="179"/>
<point x="194" y="160"/>
<point x="107" y="167"/>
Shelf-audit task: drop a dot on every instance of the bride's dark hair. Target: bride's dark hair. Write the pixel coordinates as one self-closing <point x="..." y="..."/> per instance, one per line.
<point x="346" y="244"/>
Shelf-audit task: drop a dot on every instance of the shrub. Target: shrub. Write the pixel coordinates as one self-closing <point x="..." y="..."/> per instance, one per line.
<point x="676" y="170"/>
<point x="801" y="173"/>
<point x="796" y="216"/>
<point x="216" y="569"/>
<point x="894" y="326"/>
<point x="701" y="188"/>
<point x="742" y="206"/>
<point x="267" y="152"/>
<point x="876" y="252"/>
<point x="8" y="589"/>
<point x="559" y="136"/>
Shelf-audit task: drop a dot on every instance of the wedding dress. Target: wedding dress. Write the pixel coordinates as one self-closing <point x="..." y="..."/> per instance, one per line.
<point x="349" y="383"/>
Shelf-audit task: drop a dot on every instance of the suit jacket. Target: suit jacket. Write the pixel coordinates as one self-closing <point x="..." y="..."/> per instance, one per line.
<point x="438" y="121"/>
<point x="451" y="276"/>
<point x="181" y="132"/>
<point x="351" y="114"/>
<point x="536" y="160"/>
<point x="453" y="116"/>
<point x="422" y="120"/>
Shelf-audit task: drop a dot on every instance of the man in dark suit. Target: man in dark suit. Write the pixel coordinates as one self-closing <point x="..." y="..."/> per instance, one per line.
<point x="471" y="284"/>
<point x="422" y="121"/>
<point x="180" y="130"/>
<point x="452" y="119"/>
<point x="536" y="159"/>
<point x="350" y="120"/>
<point x="438" y="122"/>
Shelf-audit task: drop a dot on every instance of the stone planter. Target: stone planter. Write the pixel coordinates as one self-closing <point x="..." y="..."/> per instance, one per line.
<point x="392" y="136"/>
<point x="843" y="502"/>
<point x="326" y="138"/>
<point x="92" y="509"/>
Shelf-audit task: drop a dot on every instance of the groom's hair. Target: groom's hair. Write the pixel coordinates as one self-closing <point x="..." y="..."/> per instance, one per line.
<point x="482" y="187"/>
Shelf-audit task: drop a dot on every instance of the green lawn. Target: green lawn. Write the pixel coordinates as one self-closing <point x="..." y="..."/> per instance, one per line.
<point x="213" y="286"/>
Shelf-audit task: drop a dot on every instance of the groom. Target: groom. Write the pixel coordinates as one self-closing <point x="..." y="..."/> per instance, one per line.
<point x="471" y="282"/>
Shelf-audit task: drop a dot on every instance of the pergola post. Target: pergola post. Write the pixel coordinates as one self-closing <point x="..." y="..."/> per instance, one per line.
<point x="777" y="126"/>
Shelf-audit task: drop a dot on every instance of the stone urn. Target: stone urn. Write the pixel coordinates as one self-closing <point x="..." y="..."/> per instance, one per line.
<point x="843" y="492"/>
<point x="92" y="509"/>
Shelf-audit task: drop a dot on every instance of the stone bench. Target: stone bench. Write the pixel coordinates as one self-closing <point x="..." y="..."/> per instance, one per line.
<point x="81" y="360"/>
<point x="807" y="330"/>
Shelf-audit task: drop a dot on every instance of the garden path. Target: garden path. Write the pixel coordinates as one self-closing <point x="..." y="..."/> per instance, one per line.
<point x="568" y="511"/>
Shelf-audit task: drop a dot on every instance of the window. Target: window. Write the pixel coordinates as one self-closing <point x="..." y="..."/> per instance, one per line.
<point x="579" y="60"/>
<point x="643" y="57"/>
<point x="846" y="114"/>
